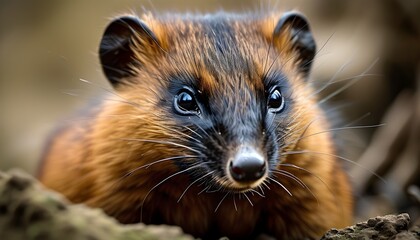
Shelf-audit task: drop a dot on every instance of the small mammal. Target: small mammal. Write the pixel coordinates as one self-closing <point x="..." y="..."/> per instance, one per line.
<point x="214" y="129"/>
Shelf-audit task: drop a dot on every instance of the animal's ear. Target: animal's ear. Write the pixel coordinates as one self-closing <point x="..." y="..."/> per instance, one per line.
<point x="126" y="44"/>
<point x="293" y="35"/>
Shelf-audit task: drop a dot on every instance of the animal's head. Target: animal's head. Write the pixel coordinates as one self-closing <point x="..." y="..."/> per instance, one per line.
<point x="220" y="89"/>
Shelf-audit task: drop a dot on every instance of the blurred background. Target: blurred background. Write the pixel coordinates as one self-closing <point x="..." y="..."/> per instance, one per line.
<point x="370" y="47"/>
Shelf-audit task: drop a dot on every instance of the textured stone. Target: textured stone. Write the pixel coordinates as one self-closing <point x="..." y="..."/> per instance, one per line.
<point x="381" y="227"/>
<point x="30" y="212"/>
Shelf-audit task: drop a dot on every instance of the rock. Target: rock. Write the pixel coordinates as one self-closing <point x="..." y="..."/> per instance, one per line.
<point x="382" y="227"/>
<point x="30" y="212"/>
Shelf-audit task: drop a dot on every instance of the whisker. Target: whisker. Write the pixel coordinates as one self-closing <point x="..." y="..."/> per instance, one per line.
<point x="200" y="128"/>
<point x="358" y="76"/>
<point x="336" y="156"/>
<point x="179" y="132"/>
<point x="341" y="69"/>
<point x="218" y="205"/>
<point x="258" y="193"/>
<point x="348" y="127"/>
<point x="358" y="119"/>
<point x="161" y="182"/>
<point x="193" y="131"/>
<point x="289" y="175"/>
<point x="159" y="161"/>
<point x="204" y="190"/>
<point x="307" y="171"/>
<point x="249" y="200"/>
<point x="150" y="164"/>
<point x="348" y="84"/>
<point x="266" y="185"/>
<point x="330" y="83"/>
<point x="215" y="190"/>
<point x="176" y="131"/>
<point x="198" y="179"/>
<point x="110" y="91"/>
<point x="70" y="93"/>
<point x="333" y="130"/>
<point x="295" y="123"/>
<point x="302" y="134"/>
<point x="162" y="142"/>
<point x="89" y="118"/>
<point x="320" y="49"/>
<point x="234" y="203"/>
<point x="266" y="58"/>
<point x="351" y="127"/>
<point x="295" y="178"/>
<point x="281" y="185"/>
<point x="262" y="190"/>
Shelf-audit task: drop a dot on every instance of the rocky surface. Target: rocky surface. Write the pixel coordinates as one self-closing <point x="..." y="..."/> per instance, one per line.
<point x="382" y="227"/>
<point x="30" y="212"/>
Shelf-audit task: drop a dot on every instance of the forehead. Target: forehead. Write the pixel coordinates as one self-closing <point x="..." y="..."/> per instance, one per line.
<point x="213" y="31"/>
<point x="222" y="44"/>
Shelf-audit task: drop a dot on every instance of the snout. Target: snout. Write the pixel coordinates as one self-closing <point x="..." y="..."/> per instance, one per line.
<point x="247" y="165"/>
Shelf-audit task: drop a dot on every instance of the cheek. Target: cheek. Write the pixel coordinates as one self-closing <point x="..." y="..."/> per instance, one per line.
<point x="216" y="155"/>
<point x="272" y="147"/>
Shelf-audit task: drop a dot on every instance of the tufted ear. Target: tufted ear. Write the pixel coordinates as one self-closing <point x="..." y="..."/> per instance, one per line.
<point x="126" y="43"/>
<point x="293" y="35"/>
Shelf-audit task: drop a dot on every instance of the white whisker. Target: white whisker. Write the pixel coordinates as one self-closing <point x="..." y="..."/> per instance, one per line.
<point x="161" y="182"/>
<point x="198" y="179"/>
<point x="281" y="185"/>
<point x="218" y="205"/>
<point x="249" y="200"/>
<point x="162" y="142"/>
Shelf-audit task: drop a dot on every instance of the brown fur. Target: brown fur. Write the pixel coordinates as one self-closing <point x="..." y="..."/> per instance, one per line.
<point x="89" y="162"/>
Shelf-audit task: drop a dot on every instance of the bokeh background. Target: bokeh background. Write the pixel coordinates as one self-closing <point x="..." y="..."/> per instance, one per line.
<point x="47" y="46"/>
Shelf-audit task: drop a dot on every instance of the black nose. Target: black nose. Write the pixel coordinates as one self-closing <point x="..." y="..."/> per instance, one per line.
<point x="248" y="165"/>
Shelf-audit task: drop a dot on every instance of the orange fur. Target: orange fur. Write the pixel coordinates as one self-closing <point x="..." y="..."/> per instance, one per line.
<point x="93" y="162"/>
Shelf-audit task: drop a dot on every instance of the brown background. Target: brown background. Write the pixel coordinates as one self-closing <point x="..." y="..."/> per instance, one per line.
<point x="46" y="46"/>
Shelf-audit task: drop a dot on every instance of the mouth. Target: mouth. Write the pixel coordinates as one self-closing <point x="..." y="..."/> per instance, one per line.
<point x="228" y="183"/>
<point x="244" y="186"/>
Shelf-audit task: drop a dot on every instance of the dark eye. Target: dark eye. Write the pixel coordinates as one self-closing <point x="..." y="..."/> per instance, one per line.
<point x="275" y="101"/>
<point x="185" y="103"/>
